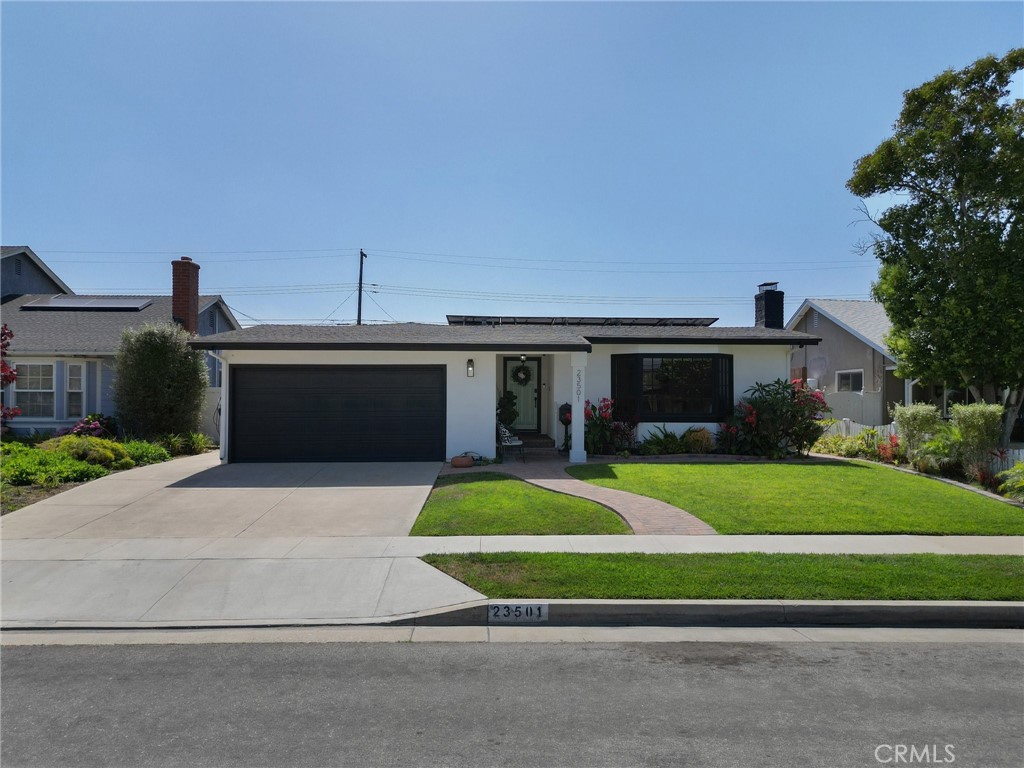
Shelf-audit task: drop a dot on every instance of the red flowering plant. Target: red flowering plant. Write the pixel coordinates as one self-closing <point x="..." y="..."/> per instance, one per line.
<point x="774" y="420"/>
<point x="890" y="451"/>
<point x="7" y="376"/>
<point x="602" y="432"/>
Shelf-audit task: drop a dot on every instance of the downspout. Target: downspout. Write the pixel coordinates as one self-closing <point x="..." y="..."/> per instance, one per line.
<point x="222" y="406"/>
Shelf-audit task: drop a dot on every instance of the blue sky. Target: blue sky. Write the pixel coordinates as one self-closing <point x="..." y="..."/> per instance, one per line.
<point x="626" y="159"/>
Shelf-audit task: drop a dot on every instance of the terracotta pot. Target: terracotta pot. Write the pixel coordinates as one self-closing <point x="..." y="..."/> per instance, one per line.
<point x="461" y="462"/>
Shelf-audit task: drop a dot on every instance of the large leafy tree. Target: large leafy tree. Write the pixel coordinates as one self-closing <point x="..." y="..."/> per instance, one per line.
<point x="952" y="248"/>
<point x="160" y="382"/>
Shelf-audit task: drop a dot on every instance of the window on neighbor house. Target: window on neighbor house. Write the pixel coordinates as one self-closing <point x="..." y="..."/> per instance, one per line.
<point x="34" y="390"/>
<point x="672" y="387"/>
<point x="75" y="393"/>
<point x="850" y="381"/>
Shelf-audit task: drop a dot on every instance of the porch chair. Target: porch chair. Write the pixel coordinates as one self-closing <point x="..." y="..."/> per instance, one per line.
<point x="508" y="441"/>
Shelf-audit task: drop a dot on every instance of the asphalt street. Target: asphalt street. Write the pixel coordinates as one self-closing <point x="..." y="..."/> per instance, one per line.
<point x="536" y="704"/>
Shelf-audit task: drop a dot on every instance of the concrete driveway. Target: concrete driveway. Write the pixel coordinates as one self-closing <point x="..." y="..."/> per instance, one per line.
<point x="191" y="542"/>
<point x="198" y="498"/>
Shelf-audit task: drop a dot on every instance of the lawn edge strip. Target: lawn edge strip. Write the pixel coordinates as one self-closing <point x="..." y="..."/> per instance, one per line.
<point x="737" y="576"/>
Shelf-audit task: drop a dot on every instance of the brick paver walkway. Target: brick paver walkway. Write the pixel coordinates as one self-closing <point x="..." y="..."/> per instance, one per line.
<point x="646" y="516"/>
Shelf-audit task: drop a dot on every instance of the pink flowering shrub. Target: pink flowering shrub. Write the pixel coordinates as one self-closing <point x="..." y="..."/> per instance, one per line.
<point x="93" y="425"/>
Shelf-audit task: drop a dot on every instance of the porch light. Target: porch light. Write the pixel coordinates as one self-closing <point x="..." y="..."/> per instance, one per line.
<point x="470" y="370"/>
<point x="522" y="358"/>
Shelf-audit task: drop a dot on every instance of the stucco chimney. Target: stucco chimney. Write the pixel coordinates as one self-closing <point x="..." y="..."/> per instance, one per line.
<point x="185" y="293"/>
<point x="769" y="306"/>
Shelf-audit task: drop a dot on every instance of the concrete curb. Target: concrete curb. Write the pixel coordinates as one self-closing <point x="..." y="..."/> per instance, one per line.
<point x="639" y="613"/>
<point x="742" y="613"/>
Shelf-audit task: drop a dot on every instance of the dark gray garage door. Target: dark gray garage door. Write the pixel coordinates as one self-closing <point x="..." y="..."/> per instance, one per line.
<point x="337" y="413"/>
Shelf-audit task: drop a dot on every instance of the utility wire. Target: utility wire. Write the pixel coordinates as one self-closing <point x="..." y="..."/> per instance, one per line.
<point x="370" y="296"/>
<point x="324" y="321"/>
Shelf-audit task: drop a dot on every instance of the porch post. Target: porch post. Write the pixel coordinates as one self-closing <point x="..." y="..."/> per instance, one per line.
<point x="578" y="360"/>
<point x="908" y="390"/>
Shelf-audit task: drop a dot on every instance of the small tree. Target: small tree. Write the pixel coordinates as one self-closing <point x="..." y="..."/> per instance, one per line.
<point x="7" y="376"/>
<point x="160" y="382"/>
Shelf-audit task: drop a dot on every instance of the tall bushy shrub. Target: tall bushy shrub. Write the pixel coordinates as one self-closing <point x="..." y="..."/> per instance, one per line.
<point x="160" y="381"/>
<point x="915" y="423"/>
<point x="980" y="426"/>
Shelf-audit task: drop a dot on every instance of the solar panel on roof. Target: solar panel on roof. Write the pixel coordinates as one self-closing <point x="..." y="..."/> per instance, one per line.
<point x="90" y="304"/>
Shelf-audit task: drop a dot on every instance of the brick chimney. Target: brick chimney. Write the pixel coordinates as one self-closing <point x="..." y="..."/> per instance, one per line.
<point x="769" y="309"/>
<point x="185" y="294"/>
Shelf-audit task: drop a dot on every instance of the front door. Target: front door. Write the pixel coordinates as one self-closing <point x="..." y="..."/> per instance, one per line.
<point x="526" y="388"/>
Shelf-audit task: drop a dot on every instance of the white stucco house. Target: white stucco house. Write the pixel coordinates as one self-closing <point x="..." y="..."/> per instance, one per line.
<point x="411" y="391"/>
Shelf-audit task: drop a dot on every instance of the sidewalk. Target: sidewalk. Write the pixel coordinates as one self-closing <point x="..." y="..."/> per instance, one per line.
<point x="169" y="582"/>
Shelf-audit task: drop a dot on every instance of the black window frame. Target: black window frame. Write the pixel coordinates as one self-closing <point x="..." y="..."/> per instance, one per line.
<point x="627" y="373"/>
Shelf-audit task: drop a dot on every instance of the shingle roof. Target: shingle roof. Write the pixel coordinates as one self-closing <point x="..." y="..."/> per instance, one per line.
<point x="399" y="336"/>
<point x="77" y="332"/>
<point x="407" y="336"/>
<point x="865" y="319"/>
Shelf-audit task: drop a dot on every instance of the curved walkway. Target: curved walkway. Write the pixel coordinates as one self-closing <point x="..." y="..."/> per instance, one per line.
<point x="646" y="516"/>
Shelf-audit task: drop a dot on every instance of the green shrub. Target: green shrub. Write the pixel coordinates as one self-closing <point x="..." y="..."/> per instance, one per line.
<point x="143" y="453"/>
<point x="11" y="447"/>
<point x="942" y="455"/>
<point x="660" y="442"/>
<point x="174" y="444"/>
<point x="185" y="445"/>
<point x="981" y="428"/>
<point x="1013" y="482"/>
<point x="160" y="382"/>
<point x="47" y="468"/>
<point x="198" y="443"/>
<point x="915" y="423"/>
<point x="92" y="450"/>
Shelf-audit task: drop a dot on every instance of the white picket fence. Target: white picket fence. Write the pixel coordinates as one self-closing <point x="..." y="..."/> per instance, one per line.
<point x="850" y="428"/>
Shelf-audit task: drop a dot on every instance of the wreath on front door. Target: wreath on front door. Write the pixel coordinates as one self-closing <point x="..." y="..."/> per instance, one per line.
<point x="522" y="374"/>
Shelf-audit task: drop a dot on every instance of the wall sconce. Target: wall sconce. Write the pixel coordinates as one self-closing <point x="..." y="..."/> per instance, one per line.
<point x="522" y="358"/>
<point x="470" y="370"/>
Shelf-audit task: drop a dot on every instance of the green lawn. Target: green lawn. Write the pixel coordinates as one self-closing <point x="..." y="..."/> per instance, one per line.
<point x="743" y="576"/>
<point x="838" y="497"/>
<point x="492" y="504"/>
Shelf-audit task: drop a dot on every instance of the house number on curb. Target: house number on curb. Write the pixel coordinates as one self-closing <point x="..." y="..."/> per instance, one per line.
<point x="516" y="613"/>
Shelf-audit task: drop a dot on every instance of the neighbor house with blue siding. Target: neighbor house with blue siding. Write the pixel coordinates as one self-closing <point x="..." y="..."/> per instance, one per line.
<point x="64" y="343"/>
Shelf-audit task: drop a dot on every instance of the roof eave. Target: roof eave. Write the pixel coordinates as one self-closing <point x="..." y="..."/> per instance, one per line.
<point x="206" y="343"/>
<point x="759" y="340"/>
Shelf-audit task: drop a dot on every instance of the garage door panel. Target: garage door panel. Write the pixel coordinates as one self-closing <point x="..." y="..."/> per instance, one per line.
<point x="337" y="413"/>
